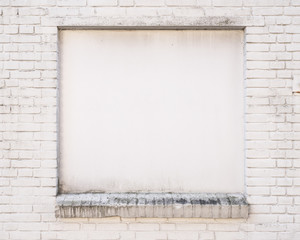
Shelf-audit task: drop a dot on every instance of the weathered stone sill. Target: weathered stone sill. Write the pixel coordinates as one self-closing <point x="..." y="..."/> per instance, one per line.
<point x="154" y="205"/>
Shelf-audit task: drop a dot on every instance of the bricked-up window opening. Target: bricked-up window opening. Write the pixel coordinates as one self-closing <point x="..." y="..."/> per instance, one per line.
<point x="151" y="111"/>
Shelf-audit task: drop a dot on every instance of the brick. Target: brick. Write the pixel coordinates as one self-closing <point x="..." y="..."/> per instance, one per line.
<point x="60" y="12"/>
<point x="188" y="12"/>
<point x="258" y="191"/>
<point x="292" y="29"/>
<point x="265" y="3"/>
<point x="27" y="11"/>
<point x="110" y="227"/>
<point x="227" y="11"/>
<point x="261" y="38"/>
<point x="144" y="227"/>
<point x="104" y="235"/>
<point x="284" y="38"/>
<point x="274" y="11"/>
<point x="26" y="29"/>
<point x="102" y="3"/>
<point x="182" y="235"/>
<point x="257" y="30"/>
<point x="149" y="3"/>
<point x="25" y="235"/>
<point x="292" y="11"/>
<point x="71" y="3"/>
<point x="181" y="3"/>
<point x="262" y="163"/>
<point x="229" y="235"/>
<point x="126" y="3"/>
<point x="283" y="20"/>
<point x="256" y="47"/>
<point x="11" y="29"/>
<point x="261" y="182"/>
<point x="230" y="3"/>
<point x="222" y="227"/>
<point x="25" y="20"/>
<point x="261" y="56"/>
<point x="141" y="11"/>
<point x="190" y="227"/>
<point x="276" y="29"/>
<point x="151" y="235"/>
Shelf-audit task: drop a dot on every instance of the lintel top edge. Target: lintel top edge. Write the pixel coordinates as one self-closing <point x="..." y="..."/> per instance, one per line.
<point x="151" y="28"/>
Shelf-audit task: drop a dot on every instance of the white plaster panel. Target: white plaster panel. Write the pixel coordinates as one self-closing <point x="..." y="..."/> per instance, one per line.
<point x="151" y="110"/>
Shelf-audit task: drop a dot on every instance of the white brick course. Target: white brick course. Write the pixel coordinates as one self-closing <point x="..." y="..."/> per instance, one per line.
<point x="28" y="97"/>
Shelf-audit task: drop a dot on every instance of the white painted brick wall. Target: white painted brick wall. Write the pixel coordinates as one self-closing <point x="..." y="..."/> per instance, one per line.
<point x="28" y="81"/>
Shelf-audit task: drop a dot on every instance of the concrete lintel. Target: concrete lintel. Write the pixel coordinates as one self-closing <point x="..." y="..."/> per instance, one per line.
<point x="167" y="22"/>
<point x="162" y="205"/>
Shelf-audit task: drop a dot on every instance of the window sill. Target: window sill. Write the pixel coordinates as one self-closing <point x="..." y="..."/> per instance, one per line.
<point x="154" y="205"/>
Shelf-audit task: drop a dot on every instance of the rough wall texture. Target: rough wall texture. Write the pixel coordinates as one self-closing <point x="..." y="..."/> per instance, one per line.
<point x="28" y="70"/>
